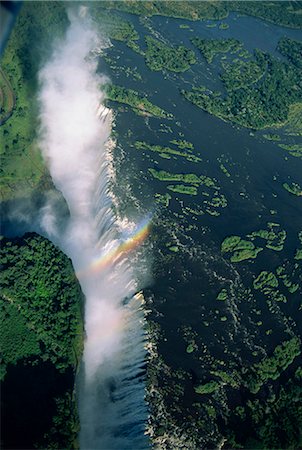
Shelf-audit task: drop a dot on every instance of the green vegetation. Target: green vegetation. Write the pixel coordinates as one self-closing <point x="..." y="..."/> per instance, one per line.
<point x="7" y="98"/>
<point x="191" y="347"/>
<point x="241" y="255"/>
<point x="292" y="50"/>
<point x="22" y="169"/>
<point x="224" y="170"/>
<point x="281" y="413"/>
<point x="139" y="104"/>
<point x="182" y="144"/>
<point x="162" y="175"/>
<point x="265" y="280"/>
<point x="207" y="388"/>
<point x="293" y="126"/>
<point x="298" y="255"/>
<point x="219" y="201"/>
<point x="270" y="368"/>
<point x="208" y="182"/>
<point x="41" y="310"/>
<point x="174" y="249"/>
<point x="293" y="188"/>
<point x="17" y="340"/>
<point x="160" y="56"/>
<point x="274" y="236"/>
<point x="232" y="379"/>
<point x="271" y="11"/>
<point x="209" y="48"/>
<point x="167" y="151"/>
<point x="267" y="283"/>
<point x="272" y="137"/>
<point x="182" y="189"/>
<point x="240" y="248"/>
<point x="286" y="278"/>
<point x="65" y="424"/>
<point x="243" y="249"/>
<point x="240" y="74"/>
<point x="216" y="201"/>
<point x="224" y="26"/>
<point x="223" y="295"/>
<point x="41" y="333"/>
<point x="261" y="107"/>
<point x="115" y="27"/>
<point x="293" y="149"/>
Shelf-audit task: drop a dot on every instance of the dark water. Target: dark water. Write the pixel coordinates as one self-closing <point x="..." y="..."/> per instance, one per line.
<point x="186" y="285"/>
<point x="27" y="402"/>
<point x="254" y="160"/>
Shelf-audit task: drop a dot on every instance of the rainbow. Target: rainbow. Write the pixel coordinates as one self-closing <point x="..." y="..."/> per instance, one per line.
<point x="121" y="248"/>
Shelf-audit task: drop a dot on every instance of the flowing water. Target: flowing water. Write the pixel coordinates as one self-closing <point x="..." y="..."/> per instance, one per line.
<point x="75" y="133"/>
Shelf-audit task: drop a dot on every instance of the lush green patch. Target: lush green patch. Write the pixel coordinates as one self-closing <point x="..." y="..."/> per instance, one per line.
<point x="162" y="175"/>
<point x="240" y="248"/>
<point x="293" y="127"/>
<point x="224" y="26"/>
<point x="265" y="280"/>
<point x="271" y="11"/>
<point x="207" y="388"/>
<point x="137" y="101"/>
<point x="292" y="50"/>
<point x="209" y="48"/>
<point x="298" y="255"/>
<point x="182" y="189"/>
<point x="271" y="367"/>
<point x="223" y="295"/>
<point x="240" y="74"/>
<point x="167" y="151"/>
<point x="274" y="236"/>
<point x="7" y="98"/>
<point x="266" y="105"/>
<point x="272" y="137"/>
<point x="17" y="339"/>
<point x="43" y="302"/>
<point x="182" y="144"/>
<point x="22" y="167"/>
<point x="267" y="283"/>
<point x="287" y="278"/>
<point x="293" y="149"/>
<point x="160" y="56"/>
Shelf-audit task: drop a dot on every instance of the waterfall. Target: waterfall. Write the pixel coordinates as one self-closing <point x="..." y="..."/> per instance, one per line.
<point x="74" y="137"/>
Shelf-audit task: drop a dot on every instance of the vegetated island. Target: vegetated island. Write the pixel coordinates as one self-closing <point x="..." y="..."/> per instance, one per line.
<point x="209" y="48"/>
<point x="41" y="340"/>
<point x="138" y="103"/>
<point x="240" y="248"/>
<point x="198" y="10"/>
<point x="167" y="152"/>
<point x="160" y="56"/>
<point x="262" y="106"/>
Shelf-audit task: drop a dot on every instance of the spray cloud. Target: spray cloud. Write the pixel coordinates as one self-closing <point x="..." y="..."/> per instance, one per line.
<point x="74" y="139"/>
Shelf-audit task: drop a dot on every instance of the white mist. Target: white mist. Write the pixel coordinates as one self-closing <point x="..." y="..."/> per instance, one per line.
<point x="73" y="140"/>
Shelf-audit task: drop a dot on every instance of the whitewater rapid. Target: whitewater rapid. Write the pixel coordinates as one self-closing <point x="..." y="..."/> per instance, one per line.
<point x="74" y="137"/>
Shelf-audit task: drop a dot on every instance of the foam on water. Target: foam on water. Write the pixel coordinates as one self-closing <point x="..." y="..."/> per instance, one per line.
<point x="74" y="136"/>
